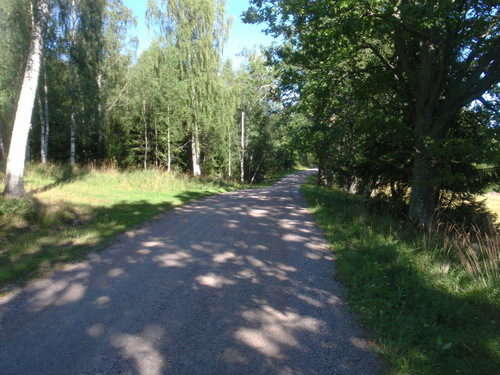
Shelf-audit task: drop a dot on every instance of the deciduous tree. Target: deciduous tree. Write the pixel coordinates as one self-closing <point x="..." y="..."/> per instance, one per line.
<point x="14" y="178"/>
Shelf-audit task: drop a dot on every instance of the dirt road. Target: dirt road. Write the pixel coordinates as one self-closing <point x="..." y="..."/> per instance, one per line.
<point x="240" y="283"/>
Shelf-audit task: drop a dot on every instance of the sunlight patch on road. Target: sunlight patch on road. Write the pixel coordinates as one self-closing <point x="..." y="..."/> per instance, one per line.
<point x="49" y="292"/>
<point x="248" y="274"/>
<point x="258" y="213"/>
<point x="177" y="259"/>
<point x="214" y="281"/>
<point x="141" y="348"/>
<point x="289" y="224"/>
<point x="102" y="302"/>
<point x="294" y="238"/>
<point x="260" y="247"/>
<point x="152" y="244"/>
<point x="311" y="301"/>
<point x="96" y="330"/>
<point x="275" y="330"/>
<point x="74" y="293"/>
<point x="224" y="257"/>
<point x="286" y="268"/>
<point x="116" y="272"/>
<point x="279" y="272"/>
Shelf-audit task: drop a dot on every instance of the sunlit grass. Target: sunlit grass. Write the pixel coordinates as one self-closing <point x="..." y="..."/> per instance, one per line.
<point x="426" y="312"/>
<point x="493" y="204"/>
<point x="72" y="210"/>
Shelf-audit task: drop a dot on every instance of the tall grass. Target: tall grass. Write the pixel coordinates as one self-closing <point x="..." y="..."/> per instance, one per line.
<point x="478" y="251"/>
<point x="430" y="306"/>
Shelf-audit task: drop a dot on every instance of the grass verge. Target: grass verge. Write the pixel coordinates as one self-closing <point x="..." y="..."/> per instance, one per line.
<point x="426" y="313"/>
<point x="74" y="210"/>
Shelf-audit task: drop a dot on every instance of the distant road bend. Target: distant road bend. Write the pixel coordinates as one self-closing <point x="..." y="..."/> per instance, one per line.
<point x="239" y="283"/>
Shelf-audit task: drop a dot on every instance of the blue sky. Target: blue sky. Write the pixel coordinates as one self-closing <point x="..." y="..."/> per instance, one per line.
<point x="241" y="36"/>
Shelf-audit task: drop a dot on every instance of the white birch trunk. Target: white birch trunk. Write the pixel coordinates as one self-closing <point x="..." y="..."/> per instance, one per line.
<point x="99" y="114"/>
<point x="47" y="123"/>
<point x="145" y="135"/>
<point x="14" y="177"/>
<point x="242" y="161"/>
<point x="156" y="145"/>
<point x="229" y="153"/>
<point x="195" y="144"/>
<point x="169" y="157"/>
<point x="195" y="148"/>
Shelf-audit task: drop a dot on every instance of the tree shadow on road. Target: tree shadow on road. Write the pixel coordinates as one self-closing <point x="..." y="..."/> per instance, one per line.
<point x="202" y="292"/>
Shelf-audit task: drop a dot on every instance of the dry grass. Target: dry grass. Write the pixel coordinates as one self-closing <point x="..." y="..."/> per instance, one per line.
<point x="493" y="204"/>
<point x="479" y="252"/>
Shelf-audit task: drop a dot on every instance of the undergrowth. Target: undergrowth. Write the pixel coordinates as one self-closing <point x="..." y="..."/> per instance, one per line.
<point x="431" y="306"/>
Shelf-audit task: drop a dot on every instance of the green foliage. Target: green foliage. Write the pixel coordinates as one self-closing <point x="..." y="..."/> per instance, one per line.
<point x="425" y="311"/>
<point x="389" y="89"/>
<point x="22" y="207"/>
<point x="153" y="110"/>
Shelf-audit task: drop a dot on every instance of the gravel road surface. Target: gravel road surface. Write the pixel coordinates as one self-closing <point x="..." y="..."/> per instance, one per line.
<point x="239" y="283"/>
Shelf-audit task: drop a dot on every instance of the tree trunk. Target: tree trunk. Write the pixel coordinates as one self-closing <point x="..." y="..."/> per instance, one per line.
<point x="44" y="119"/>
<point x="229" y="153"/>
<point x="195" y="150"/>
<point x="2" y="144"/>
<point x="195" y="144"/>
<point x="257" y="170"/>
<point x="72" y="155"/>
<point x="42" y="130"/>
<point x="242" y="158"/>
<point x="145" y="135"/>
<point x="28" y="149"/>
<point x="47" y="122"/>
<point x="425" y="184"/>
<point x="14" y="177"/>
<point x="425" y="80"/>
<point x="156" y="145"/>
<point x="424" y="189"/>
<point x="99" y="116"/>
<point x="169" y="156"/>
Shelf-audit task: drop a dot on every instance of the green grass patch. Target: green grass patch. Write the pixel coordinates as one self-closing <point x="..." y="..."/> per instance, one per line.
<point x="73" y="210"/>
<point x="426" y="313"/>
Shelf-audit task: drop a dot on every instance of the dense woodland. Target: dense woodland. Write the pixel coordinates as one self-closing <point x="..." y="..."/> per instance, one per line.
<point x="177" y="105"/>
<point x="404" y="96"/>
<point x="396" y="98"/>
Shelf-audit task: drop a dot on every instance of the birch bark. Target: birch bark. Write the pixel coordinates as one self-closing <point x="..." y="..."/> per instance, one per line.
<point x="14" y="177"/>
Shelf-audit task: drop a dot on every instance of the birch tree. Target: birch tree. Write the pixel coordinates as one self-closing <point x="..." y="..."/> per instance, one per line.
<point x="72" y="59"/>
<point x="43" y="109"/>
<point x="16" y="18"/>
<point x="198" y="29"/>
<point x="14" y="178"/>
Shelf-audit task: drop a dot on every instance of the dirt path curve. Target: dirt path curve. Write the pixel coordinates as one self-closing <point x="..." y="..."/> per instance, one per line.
<point x="240" y="283"/>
